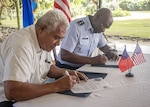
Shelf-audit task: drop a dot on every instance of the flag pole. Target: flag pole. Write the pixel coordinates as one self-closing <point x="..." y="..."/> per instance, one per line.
<point x="137" y="41"/>
<point x="129" y="74"/>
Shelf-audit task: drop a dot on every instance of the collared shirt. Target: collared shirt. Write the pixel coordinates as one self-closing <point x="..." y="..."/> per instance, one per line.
<point x="21" y="59"/>
<point x="81" y="40"/>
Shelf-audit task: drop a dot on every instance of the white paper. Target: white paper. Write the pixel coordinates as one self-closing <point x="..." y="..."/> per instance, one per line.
<point x="90" y="86"/>
<point x="111" y="63"/>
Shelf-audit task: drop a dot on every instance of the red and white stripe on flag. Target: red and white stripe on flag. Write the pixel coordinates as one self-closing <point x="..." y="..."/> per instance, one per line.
<point x="138" y="57"/>
<point x="64" y="6"/>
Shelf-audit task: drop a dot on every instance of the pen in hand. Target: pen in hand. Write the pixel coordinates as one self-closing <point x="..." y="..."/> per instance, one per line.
<point x="74" y="81"/>
<point x="67" y="73"/>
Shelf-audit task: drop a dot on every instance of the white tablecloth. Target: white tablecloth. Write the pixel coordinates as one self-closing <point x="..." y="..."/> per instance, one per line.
<point x="125" y="91"/>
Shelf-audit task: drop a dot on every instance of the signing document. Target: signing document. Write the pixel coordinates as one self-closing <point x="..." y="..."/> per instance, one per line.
<point x="109" y="64"/>
<point x="90" y="86"/>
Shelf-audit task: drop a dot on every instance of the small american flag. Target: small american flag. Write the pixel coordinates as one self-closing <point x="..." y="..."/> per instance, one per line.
<point x="64" y="6"/>
<point x="138" y="57"/>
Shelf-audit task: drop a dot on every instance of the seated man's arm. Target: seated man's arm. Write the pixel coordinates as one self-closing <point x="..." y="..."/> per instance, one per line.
<point x="110" y="53"/>
<point x="20" y="91"/>
<point x="77" y="59"/>
<point x="56" y="72"/>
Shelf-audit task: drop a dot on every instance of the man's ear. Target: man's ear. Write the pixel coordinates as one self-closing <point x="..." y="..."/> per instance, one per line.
<point x="43" y="27"/>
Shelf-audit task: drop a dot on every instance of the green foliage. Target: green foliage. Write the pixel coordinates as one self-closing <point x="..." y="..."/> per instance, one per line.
<point x="90" y="9"/>
<point x="120" y="13"/>
<point x="44" y="4"/>
<point x="6" y="8"/>
<point x="7" y="3"/>
<point x="77" y="7"/>
<point x="76" y="2"/>
<point x="135" y="5"/>
<point x="82" y="7"/>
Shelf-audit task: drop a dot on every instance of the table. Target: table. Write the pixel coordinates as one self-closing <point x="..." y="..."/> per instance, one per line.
<point x="125" y="91"/>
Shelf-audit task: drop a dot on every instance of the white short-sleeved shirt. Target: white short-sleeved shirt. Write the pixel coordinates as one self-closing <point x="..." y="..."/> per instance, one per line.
<point x="21" y="59"/>
<point x="81" y="40"/>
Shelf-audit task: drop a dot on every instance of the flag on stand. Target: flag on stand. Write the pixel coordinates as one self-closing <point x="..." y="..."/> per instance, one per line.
<point x="125" y="61"/>
<point x="138" y="57"/>
<point x="64" y="6"/>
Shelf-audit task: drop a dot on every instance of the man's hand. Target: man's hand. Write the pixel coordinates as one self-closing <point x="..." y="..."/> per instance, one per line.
<point x="112" y="55"/>
<point x="100" y="59"/>
<point x="78" y="75"/>
<point x="66" y="82"/>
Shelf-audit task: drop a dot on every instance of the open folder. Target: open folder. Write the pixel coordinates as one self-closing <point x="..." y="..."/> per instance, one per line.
<point x="104" y="65"/>
<point x="90" y="75"/>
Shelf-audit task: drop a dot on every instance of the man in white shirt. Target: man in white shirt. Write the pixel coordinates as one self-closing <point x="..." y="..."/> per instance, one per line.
<point x="25" y="63"/>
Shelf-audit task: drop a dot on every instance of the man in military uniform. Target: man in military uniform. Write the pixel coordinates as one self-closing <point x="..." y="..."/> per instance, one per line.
<point x="83" y="37"/>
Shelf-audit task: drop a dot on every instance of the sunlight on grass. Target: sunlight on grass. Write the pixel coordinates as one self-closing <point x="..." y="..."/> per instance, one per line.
<point x="132" y="28"/>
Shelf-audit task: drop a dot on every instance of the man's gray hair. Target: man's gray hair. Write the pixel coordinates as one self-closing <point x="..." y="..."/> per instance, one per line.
<point x="52" y="19"/>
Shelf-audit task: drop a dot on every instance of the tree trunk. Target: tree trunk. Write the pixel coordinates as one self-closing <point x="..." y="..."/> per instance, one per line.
<point x="99" y="5"/>
<point x="17" y="12"/>
<point x="1" y="8"/>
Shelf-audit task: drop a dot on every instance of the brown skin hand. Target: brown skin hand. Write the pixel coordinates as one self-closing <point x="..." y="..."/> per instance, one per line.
<point x="77" y="59"/>
<point x="20" y="91"/>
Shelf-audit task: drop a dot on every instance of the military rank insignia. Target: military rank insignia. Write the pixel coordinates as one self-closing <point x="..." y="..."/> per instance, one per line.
<point x="81" y="22"/>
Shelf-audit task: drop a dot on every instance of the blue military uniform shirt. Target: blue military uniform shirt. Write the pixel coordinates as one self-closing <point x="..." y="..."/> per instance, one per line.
<point x="81" y="40"/>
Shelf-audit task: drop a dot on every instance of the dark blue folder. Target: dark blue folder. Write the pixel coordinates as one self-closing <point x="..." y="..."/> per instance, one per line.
<point x="104" y="65"/>
<point x="90" y="75"/>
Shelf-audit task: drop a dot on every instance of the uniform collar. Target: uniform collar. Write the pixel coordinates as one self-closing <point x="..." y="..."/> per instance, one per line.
<point x="88" y="26"/>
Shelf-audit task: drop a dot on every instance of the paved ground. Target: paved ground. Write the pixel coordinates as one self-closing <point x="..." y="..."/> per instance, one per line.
<point x="130" y="46"/>
<point x="119" y="44"/>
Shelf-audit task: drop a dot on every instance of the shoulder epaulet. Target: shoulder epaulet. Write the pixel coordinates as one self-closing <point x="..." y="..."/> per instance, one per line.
<point x="80" y="22"/>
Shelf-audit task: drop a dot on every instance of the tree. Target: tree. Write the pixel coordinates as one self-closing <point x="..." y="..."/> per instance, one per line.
<point x="17" y="12"/>
<point x="1" y="8"/>
<point x="5" y="5"/>
<point x="98" y="3"/>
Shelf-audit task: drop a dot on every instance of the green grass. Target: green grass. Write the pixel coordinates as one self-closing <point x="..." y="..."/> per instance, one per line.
<point x="133" y="28"/>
